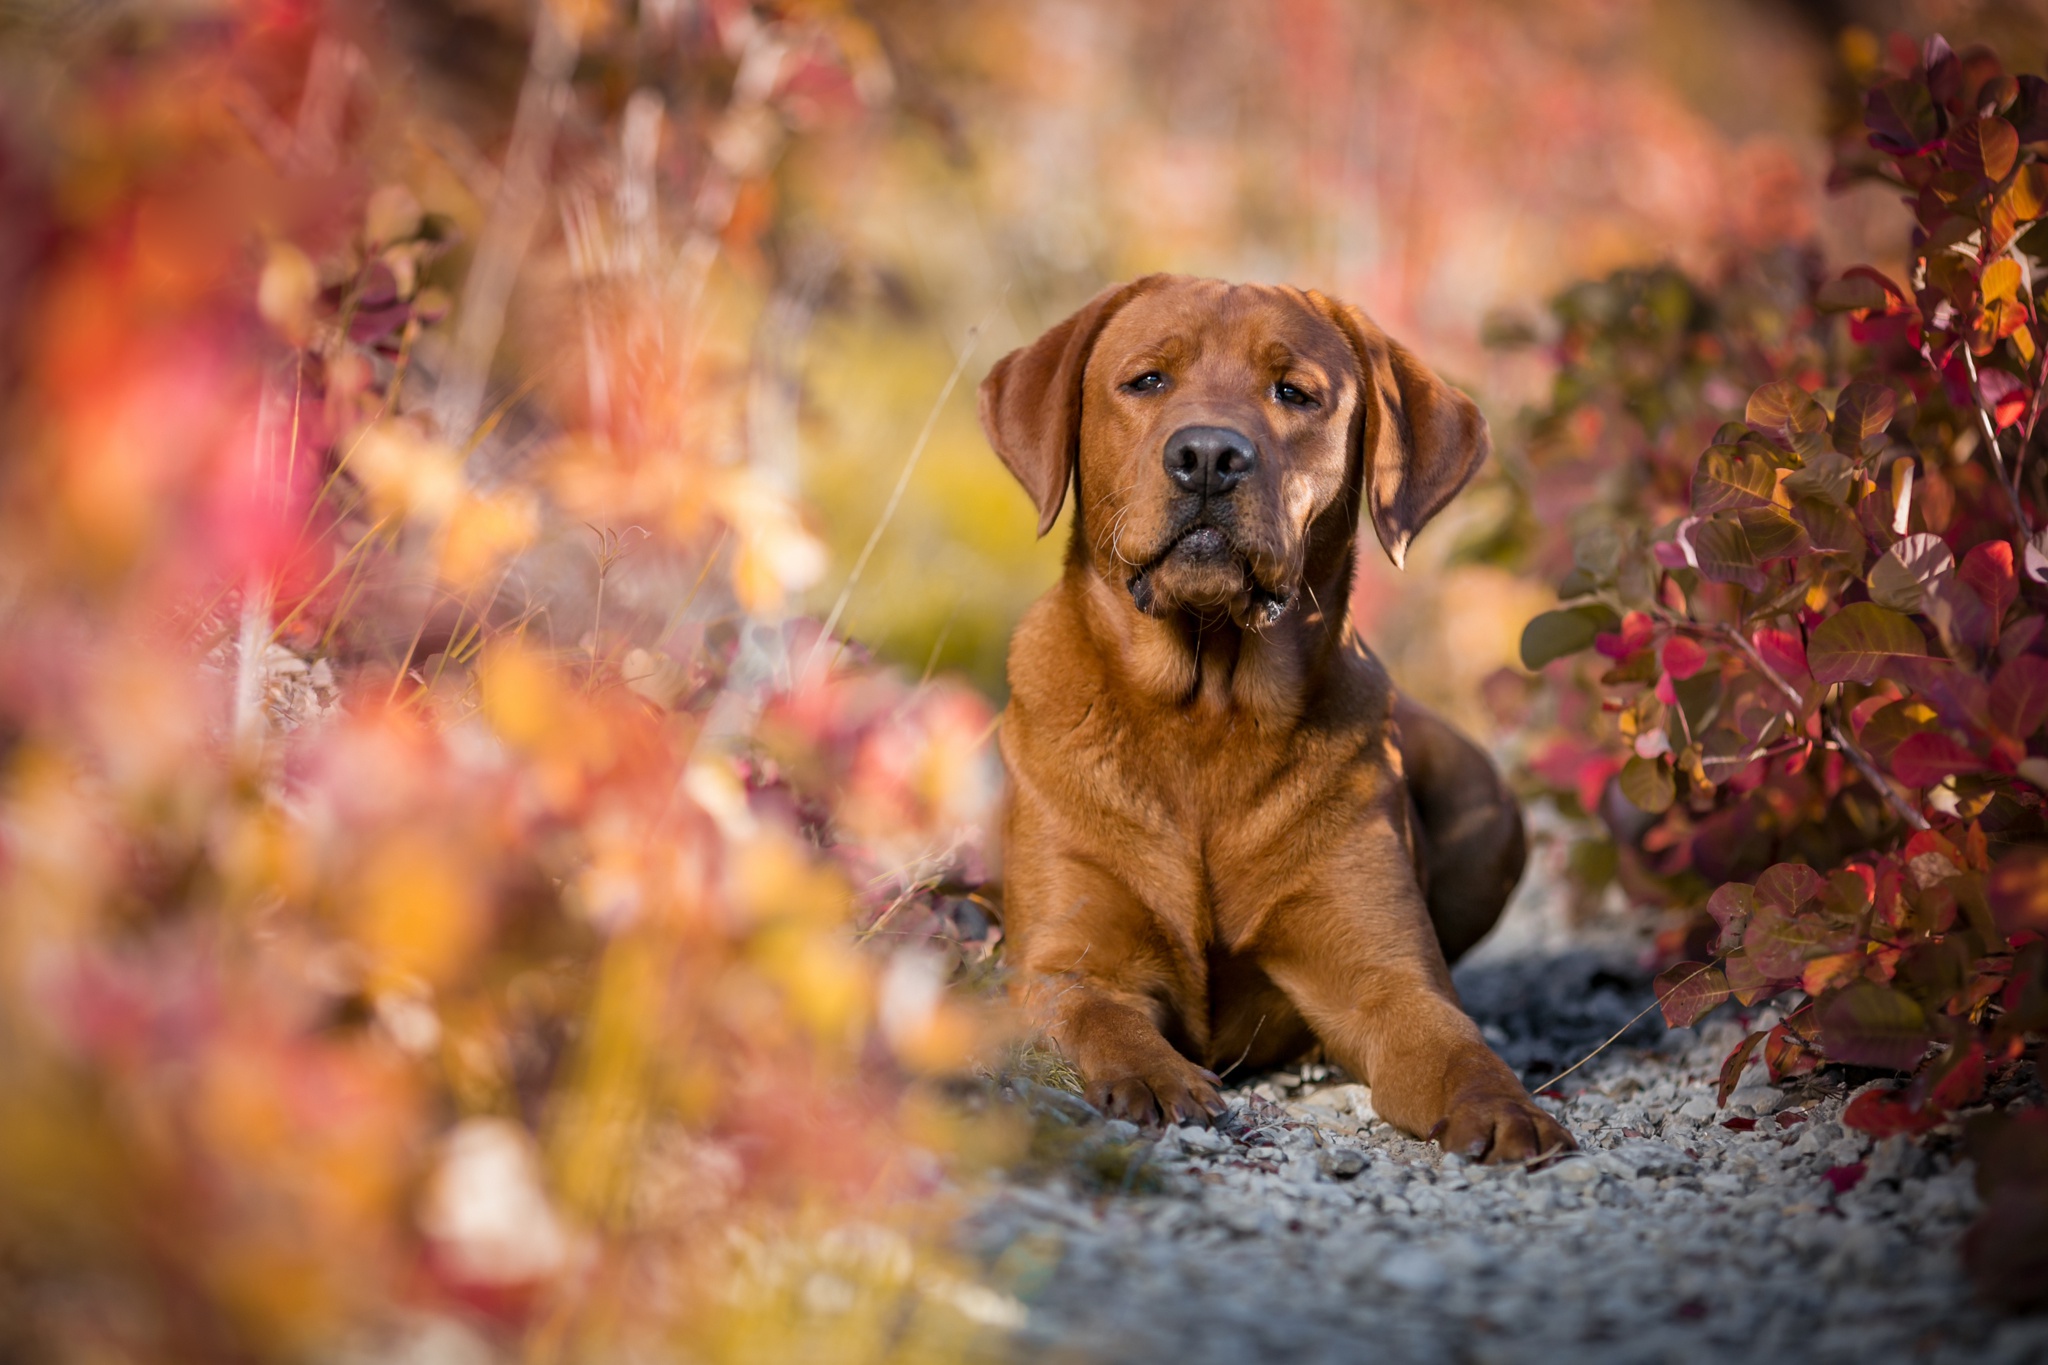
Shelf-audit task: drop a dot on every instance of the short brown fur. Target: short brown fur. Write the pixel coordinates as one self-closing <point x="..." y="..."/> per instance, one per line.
<point x="1226" y="838"/>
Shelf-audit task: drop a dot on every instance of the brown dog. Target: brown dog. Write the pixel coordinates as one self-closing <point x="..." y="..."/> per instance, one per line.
<point x="1226" y="839"/>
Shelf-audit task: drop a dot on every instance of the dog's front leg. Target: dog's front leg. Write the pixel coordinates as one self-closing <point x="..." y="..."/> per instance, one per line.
<point x="1128" y="1069"/>
<point x="1356" y="953"/>
<point x="1099" y="977"/>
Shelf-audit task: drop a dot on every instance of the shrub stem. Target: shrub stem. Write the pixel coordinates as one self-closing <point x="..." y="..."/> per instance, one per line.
<point x="1900" y="806"/>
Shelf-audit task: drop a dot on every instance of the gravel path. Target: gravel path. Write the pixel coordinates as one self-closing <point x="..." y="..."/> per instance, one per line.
<point x="1305" y="1230"/>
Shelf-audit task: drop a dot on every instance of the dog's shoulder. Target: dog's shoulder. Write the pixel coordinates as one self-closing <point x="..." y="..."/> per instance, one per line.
<point x="1054" y="664"/>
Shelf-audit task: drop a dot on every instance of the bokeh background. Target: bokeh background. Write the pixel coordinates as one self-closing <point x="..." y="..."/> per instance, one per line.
<point x="1449" y="167"/>
<point x="449" y="882"/>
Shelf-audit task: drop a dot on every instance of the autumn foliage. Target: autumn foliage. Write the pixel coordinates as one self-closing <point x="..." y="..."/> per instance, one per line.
<point x="408" y="936"/>
<point x="1816" y="631"/>
<point x="454" y="903"/>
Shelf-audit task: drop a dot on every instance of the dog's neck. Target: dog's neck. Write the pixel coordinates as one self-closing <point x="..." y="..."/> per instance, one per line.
<point x="1209" y="666"/>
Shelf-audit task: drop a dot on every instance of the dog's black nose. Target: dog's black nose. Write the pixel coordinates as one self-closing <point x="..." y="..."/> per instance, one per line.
<point x="1209" y="459"/>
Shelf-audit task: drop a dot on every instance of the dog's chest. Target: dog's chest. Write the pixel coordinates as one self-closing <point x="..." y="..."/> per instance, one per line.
<point x="1210" y="823"/>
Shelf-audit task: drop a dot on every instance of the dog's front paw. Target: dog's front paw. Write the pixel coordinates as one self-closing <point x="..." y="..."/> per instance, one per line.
<point x="1492" y="1126"/>
<point x="1168" y="1090"/>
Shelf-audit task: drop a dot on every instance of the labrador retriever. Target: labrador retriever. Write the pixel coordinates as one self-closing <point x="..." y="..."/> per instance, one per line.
<point x="1226" y="839"/>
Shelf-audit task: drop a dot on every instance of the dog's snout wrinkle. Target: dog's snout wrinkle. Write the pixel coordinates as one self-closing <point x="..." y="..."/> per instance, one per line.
<point x="1210" y="460"/>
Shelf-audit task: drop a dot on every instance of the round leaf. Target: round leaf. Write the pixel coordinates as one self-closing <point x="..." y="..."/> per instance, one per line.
<point x="1568" y="630"/>
<point x="1787" y="886"/>
<point x="1787" y="413"/>
<point x="1872" y="1025"/>
<point x="1925" y="758"/>
<point x="2019" y="696"/>
<point x="1851" y="294"/>
<point x="1727" y="479"/>
<point x="1772" y="532"/>
<point x="1909" y="570"/>
<point x="1781" y="944"/>
<point x="1827" y="476"/>
<point x="1647" y="783"/>
<point x="1985" y="146"/>
<point x="1689" y="990"/>
<point x="1857" y="642"/>
<point x="1862" y="413"/>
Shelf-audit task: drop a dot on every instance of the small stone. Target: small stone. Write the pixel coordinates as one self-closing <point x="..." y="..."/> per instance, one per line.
<point x="1654" y="1159"/>
<point x="1699" y="1109"/>
<point x="1120" y="1130"/>
<point x="1341" y="1163"/>
<point x="1198" y="1139"/>
<point x="1414" y="1270"/>
<point x="279" y="661"/>
<point x="1352" y="1100"/>
<point x="1756" y="1100"/>
<point x="1572" y="1171"/>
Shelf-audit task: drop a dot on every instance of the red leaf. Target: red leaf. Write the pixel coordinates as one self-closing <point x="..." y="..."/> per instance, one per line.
<point x="1988" y="569"/>
<point x="1787" y="1054"/>
<point x="1871" y="1025"/>
<point x="1858" y="642"/>
<point x="1683" y="657"/>
<point x="1885" y="1113"/>
<point x="1924" y="759"/>
<point x="2006" y="395"/>
<point x="1929" y="841"/>
<point x="1787" y="886"/>
<point x="1689" y="990"/>
<point x="1746" y="980"/>
<point x="1592" y="779"/>
<point x="2018" y="891"/>
<point x="1985" y="146"/>
<point x="1738" y="1125"/>
<point x="1781" y="944"/>
<point x="1962" y="1082"/>
<point x="1785" y="652"/>
<point x="1731" y="906"/>
<point x="1635" y="635"/>
<point x="1845" y="1178"/>
<point x="1731" y="1069"/>
<point x="2019" y="696"/>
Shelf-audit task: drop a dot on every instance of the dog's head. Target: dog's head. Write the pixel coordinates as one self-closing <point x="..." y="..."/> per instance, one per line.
<point x="1221" y="437"/>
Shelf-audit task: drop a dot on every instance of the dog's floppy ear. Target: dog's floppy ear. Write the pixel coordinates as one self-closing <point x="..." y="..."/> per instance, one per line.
<point x="1423" y="439"/>
<point x="1031" y="401"/>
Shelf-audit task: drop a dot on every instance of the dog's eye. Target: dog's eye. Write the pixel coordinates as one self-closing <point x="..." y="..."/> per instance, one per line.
<point x="1294" y="396"/>
<point x="1149" y="382"/>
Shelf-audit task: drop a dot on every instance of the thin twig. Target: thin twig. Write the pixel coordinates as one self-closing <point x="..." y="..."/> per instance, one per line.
<point x="1900" y="806"/>
<point x="1984" y="419"/>
<point x="1616" y="1035"/>
<point x="1247" y="1049"/>
<point x="931" y="421"/>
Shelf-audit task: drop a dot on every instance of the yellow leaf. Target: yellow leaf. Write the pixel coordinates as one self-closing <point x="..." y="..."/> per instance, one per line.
<point x="393" y="215"/>
<point x="418" y="910"/>
<point x="285" y="293"/>
<point x="1835" y="969"/>
<point x="2028" y="197"/>
<point x="522" y="698"/>
<point x="776" y="556"/>
<point x="777" y="881"/>
<point x="406" y="473"/>
<point x="483" y="532"/>
<point x="2001" y="280"/>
